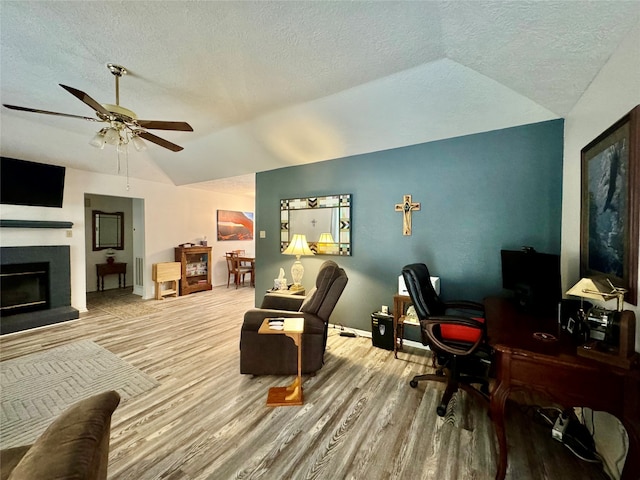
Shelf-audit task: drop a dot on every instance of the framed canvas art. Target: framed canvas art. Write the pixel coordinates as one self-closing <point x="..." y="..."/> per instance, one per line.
<point x="610" y="205"/>
<point x="234" y="225"/>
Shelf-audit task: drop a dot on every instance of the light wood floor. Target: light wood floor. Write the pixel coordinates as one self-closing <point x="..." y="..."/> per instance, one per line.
<point x="360" y="420"/>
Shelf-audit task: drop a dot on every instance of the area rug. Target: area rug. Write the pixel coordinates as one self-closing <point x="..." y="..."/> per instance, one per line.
<point x="36" y="388"/>
<point x="129" y="310"/>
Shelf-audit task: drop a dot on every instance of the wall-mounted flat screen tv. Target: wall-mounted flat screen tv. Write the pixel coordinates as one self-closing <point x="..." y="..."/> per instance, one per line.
<point x="31" y="183"/>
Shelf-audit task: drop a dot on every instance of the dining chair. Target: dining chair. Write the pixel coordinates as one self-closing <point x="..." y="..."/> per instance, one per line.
<point x="237" y="270"/>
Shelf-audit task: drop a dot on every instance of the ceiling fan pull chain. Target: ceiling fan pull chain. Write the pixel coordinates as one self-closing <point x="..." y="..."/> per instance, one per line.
<point x="119" y="149"/>
<point x="126" y="159"/>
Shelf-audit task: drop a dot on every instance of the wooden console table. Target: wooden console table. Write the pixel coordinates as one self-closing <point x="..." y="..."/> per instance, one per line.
<point x="292" y="394"/>
<point x="553" y="368"/>
<point x="103" y="269"/>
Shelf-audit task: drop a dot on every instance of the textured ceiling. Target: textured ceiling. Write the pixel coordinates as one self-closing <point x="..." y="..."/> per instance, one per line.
<point x="272" y="84"/>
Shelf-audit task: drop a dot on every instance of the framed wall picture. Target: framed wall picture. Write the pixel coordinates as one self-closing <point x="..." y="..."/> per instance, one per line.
<point x="235" y="225"/>
<point x="610" y="205"/>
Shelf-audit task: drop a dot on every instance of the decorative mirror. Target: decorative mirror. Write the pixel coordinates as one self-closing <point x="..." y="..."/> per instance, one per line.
<point x="108" y="230"/>
<point x="325" y="221"/>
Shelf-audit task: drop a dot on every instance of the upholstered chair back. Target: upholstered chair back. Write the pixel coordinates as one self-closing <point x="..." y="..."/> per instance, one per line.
<point x="330" y="283"/>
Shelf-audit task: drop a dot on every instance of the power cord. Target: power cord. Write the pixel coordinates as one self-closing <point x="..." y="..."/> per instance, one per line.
<point x="344" y="332"/>
<point x="570" y="431"/>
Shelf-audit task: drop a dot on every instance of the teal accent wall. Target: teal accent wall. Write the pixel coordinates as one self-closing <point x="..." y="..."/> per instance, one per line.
<point x="478" y="194"/>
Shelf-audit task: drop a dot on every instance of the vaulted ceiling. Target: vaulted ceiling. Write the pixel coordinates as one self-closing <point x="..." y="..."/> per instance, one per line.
<point x="272" y="84"/>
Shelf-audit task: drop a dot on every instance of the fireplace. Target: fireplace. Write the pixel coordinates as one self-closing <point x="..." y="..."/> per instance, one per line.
<point x="35" y="288"/>
<point x="25" y="288"/>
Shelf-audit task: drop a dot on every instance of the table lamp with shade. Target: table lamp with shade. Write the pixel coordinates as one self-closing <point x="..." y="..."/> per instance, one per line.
<point x="326" y="244"/>
<point x="298" y="247"/>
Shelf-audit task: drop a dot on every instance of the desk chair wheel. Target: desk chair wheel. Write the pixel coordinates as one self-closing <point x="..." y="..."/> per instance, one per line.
<point x="413" y="383"/>
<point x="441" y="410"/>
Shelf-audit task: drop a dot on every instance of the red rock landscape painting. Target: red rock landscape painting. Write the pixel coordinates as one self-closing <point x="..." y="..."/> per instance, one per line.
<point x="235" y="225"/>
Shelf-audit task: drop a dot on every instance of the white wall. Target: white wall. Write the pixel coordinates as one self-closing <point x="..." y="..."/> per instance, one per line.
<point x="612" y="94"/>
<point x="173" y="215"/>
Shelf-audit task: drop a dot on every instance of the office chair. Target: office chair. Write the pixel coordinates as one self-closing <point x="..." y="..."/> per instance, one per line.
<point x="454" y="332"/>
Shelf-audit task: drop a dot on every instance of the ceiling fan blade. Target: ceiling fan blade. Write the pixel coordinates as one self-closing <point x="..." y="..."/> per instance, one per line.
<point x="46" y="112"/>
<point x="86" y="99"/>
<point x="159" y="141"/>
<point x="161" y="125"/>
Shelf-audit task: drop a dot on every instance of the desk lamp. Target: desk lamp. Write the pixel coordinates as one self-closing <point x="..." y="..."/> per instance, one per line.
<point x="596" y="290"/>
<point x="613" y="333"/>
<point x="298" y="246"/>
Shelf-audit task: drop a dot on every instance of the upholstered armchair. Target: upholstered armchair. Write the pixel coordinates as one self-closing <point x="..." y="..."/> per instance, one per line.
<point x="277" y="354"/>
<point x="75" y="445"/>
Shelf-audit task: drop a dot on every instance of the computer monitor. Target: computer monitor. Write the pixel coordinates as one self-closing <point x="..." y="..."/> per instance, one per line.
<point x="533" y="278"/>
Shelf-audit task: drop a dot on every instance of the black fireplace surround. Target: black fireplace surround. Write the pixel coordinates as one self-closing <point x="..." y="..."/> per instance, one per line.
<point x="42" y="294"/>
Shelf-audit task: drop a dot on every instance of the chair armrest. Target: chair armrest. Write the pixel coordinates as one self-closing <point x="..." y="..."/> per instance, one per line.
<point x="255" y="316"/>
<point x="275" y="301"/>
<point x="428" y="327"/>
<point x="464" y="305"/>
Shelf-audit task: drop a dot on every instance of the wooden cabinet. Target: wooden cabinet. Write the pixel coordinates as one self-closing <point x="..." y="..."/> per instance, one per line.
<point x="195" y="263"/>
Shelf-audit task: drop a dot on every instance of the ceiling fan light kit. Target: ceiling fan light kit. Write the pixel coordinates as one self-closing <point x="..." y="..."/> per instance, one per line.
<point x="124" y="126"/>
<point x="98" y="140"/>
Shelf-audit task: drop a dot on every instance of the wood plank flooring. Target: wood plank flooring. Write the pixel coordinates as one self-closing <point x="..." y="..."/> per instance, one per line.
<point x="360" y="420"/>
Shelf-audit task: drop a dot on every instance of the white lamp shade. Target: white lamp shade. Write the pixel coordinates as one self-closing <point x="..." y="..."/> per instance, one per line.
<point x="298" y="246"/>
<point x="98" y="140"/>
<point x="326" y="243"/>
<point x="112" y="136"/>
<point x="138" y="143"/>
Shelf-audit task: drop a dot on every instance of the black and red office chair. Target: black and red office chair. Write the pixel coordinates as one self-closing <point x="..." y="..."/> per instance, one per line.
<point x="456" y="334"/>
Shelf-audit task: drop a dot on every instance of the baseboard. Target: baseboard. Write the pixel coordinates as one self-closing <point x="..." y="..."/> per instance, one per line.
<point x="367" y="334"/>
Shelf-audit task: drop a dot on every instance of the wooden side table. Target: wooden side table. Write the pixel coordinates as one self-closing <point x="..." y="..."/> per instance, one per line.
<point x="292" y="394"/>
<point x="399" y="302"/>
<point x="166" y="272"/>
<point x="103" y="269"/>
<point x="288" y="292"/>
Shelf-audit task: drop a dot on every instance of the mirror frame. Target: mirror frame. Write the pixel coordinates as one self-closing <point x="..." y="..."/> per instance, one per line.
<point x="95" y="214"/>
<point x="340" y="201"/>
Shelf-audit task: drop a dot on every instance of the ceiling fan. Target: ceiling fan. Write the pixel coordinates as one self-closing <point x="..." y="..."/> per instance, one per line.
<point x="124" y="125"/>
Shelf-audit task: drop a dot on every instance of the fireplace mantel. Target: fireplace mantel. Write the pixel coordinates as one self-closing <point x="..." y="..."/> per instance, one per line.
<point x="34" y="224"/>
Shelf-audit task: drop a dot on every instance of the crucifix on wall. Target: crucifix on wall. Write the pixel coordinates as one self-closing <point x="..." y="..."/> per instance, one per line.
<point x="406" y="207"/>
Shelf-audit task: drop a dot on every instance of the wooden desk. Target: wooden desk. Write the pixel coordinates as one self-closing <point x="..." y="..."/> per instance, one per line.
<point x="554" y="369"/>
<point x="292" y="394"/>
<point x="103" y="269"/>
